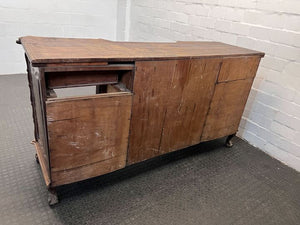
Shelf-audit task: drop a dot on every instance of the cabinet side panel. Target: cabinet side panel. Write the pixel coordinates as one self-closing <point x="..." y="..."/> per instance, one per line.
<point x="36" y="97"/>
<point x="226" y="109"/>
<point x="39" y="115"/>
<point x="32" y="97"/>
<point x="151" y="84"/>
<point x="191" y="91"/>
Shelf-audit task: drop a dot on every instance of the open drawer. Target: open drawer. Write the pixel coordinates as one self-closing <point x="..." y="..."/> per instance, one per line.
<point x="88" y="135"/>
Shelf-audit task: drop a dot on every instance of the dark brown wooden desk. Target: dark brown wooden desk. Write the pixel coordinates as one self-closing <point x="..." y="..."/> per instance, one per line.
<point x="150" y="99"/>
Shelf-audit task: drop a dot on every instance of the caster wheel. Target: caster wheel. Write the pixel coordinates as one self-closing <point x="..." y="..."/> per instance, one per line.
<point x="229" y="142"/>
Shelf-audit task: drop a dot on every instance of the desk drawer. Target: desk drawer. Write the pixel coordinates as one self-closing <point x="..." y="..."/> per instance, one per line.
<point x="88" y="135"/>
<point x="238" y="68"/>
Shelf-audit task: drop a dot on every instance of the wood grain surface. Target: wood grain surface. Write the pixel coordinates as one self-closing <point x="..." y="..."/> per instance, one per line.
<point x="87" y="171"/>
<point x="226" y="109"/>
<point x="151" y="85"/>
<point x="236" y="68"/>
<point x="86" y="134"/>
<point x="171" y="99"/>
<point x="191" y="90"/>
<point x="45" y="50"/>
<point x="231" y="93"/>
<point x="43" y="161"/>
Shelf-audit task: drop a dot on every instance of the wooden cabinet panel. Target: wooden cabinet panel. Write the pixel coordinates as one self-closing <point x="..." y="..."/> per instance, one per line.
<point x="88" y="171"/>
<point x="226" y="109"/>
<point x="151" y="84"/>
<point x="88" y="135"/>
<point x="171" y="100"/>
<point x="191" y="90"/>
<point x="238" y="68"/>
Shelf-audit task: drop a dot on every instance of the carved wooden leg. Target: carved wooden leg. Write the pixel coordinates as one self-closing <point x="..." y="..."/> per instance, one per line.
<point x="228" y="142"/>
<point x="52" y="196"/>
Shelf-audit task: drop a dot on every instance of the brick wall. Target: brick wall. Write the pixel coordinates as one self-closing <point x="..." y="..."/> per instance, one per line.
<point x="66" y="18"/>
<point x="271" y="120"/>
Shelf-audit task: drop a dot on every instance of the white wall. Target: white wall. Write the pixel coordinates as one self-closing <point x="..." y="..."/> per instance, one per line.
<point x="123" y="20"/>
<point x="271" y="120"/>
<point x="54" y="18"/>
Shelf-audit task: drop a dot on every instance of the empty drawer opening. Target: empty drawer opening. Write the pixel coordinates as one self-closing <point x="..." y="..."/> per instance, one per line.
<point x="86" y="91"/>
<point x="87" y="81"/>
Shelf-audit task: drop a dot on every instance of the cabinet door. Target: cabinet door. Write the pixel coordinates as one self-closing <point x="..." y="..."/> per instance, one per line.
<point x="191" y="91"/>
<point x="88" y="136"/>
<point x="170" y="103"/>
<point x="230" y="96"/>
<point x="150" y="98"/>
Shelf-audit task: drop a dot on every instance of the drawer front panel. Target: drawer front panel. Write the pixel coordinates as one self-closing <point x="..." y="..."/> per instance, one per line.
<point x="238" y="68"/>
<point x="88" y="135"/>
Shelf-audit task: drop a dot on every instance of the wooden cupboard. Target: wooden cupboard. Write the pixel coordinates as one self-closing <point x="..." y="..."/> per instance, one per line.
<point x="150" y="99"/>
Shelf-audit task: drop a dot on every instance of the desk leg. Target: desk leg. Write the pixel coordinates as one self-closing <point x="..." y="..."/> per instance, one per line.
<point x="229" y="142"/>
<point x="52" y="196"/>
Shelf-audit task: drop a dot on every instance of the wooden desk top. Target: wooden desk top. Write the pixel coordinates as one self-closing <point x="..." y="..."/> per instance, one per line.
<point x="44" y="50"/>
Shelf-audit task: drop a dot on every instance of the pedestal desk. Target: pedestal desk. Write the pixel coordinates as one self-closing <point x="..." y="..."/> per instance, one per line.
<point x="150" y="99"/>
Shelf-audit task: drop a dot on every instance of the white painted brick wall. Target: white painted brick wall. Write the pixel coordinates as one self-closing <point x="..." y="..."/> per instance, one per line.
<point x="55" y="18"/>
<point x="271" y="120"/>
<point x="123" y="19"/>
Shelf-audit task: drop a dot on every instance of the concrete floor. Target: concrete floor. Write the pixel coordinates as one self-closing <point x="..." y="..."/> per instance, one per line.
<point x="203" y="184"/>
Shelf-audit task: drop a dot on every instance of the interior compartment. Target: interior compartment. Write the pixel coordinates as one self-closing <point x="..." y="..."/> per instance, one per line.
<point x="80" y="78"/>
<point x="86" y="81"/>
<point x="86" y="91"/>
